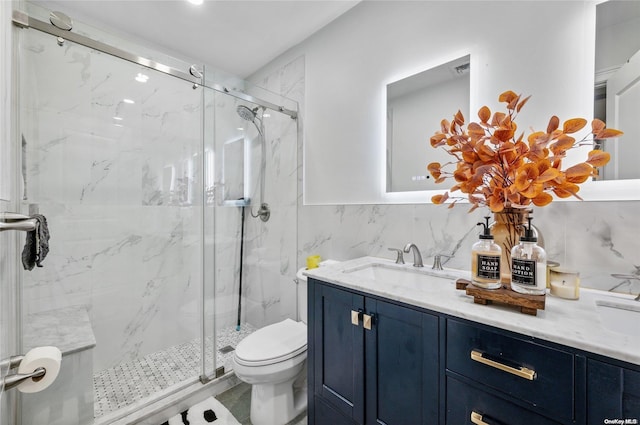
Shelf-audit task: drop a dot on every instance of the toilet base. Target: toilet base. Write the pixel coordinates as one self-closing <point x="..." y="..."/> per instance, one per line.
<point x="278" y="404"/>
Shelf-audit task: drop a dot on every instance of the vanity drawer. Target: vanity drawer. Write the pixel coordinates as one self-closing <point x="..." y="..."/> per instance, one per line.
<point x="519" y="367"/>
<point x="466" y="404"/>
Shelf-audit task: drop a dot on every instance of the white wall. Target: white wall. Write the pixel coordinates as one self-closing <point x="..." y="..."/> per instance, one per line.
<point x="522" y="46"/>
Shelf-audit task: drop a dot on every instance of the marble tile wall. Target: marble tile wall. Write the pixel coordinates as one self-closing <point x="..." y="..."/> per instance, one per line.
<point x="596" y="238"/>
<point x="270" y="251"/>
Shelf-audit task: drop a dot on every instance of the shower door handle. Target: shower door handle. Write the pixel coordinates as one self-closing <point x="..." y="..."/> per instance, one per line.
<point x="15" y="221"/>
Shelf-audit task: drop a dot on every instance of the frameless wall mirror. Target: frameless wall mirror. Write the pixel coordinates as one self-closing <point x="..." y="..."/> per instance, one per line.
<point x="414" y="112"/>
<point x="617" y="90"/>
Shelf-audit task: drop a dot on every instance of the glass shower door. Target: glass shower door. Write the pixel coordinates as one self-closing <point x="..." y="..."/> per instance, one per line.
<point x="112" y="155"/>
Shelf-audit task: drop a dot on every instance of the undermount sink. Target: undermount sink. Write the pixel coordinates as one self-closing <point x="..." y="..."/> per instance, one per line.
<point x="400" y="274"/>
<point x="620" y="316"/>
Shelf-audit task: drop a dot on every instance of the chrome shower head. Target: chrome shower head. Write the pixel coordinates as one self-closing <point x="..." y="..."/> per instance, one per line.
<point x="246" y="113"/>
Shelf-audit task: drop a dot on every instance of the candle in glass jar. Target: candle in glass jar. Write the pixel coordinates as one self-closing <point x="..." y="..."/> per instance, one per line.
<point x="564" y="283"/>
<point x="550" y="264"/>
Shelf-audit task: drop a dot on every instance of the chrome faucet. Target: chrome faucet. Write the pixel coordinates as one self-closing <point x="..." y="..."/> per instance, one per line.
<point x="417" y="258"/>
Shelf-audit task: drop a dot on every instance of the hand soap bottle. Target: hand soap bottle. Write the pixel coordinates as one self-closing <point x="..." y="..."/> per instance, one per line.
<point x="528" y="265"/>
<point x="485" y="260"/>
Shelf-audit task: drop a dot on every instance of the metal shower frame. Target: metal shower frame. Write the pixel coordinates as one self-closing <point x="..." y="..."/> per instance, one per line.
<point x="23" y="20"/>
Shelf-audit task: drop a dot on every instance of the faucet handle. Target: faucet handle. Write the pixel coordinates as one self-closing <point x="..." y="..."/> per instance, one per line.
<point x="399" y="257"/>
<point x="437" y="261"/>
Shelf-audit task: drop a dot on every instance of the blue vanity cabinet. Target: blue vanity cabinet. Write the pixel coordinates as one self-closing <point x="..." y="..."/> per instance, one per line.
<point x="387" y="374"/>
<point x="415" y="366"/>
<point x="613" y="393"/>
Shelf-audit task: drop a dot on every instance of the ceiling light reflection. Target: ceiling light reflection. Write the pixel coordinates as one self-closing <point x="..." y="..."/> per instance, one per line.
<point x="142" y="78"/>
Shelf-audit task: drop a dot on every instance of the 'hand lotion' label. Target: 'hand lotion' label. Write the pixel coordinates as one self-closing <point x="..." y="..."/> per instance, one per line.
<point x="523" y="272"/>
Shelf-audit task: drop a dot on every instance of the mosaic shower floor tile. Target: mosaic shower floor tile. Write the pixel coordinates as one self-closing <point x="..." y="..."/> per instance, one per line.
<point x="130" y="382"/>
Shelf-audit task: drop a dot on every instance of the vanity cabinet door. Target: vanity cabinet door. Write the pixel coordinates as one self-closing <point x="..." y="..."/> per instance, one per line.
<point x="612" y="393"/>
<point x="337" y="347"/>
<point x="377" y="367"/>
<point x="401" y="352"/>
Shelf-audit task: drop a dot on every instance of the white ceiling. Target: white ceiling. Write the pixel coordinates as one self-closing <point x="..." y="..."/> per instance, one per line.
<point x="236" y="36"/>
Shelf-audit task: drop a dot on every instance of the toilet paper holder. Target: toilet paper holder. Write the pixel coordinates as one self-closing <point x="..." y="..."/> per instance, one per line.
<point x="11" y="381"/>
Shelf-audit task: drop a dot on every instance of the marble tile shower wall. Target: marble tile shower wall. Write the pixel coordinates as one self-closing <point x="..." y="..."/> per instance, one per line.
<point x="119" y="196"/>
<point x="271" y="247"/>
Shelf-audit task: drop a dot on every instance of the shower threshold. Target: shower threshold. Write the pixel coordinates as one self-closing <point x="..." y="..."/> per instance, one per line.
<point x="136" y="381"/>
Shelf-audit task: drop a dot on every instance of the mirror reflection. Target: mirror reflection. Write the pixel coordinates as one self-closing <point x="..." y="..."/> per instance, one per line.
<point x="414" y="110"/>
<point x="617" y="90"/>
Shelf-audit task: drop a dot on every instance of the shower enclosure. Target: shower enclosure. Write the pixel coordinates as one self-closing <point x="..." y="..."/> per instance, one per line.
<point x="143" y="176"/>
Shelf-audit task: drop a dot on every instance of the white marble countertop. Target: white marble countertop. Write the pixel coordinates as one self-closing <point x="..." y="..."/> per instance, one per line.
<point x="574" y="323"/>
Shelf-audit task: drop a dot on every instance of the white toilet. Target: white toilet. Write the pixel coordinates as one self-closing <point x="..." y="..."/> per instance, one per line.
<point x="273" y="361"/>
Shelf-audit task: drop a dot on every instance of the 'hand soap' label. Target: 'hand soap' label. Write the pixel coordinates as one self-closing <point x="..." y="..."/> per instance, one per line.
<point x="489" y="267"/>
<point x="523" y="272"/>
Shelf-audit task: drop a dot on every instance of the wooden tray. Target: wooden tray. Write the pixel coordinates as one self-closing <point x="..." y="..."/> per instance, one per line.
<point x="528" y="304"/>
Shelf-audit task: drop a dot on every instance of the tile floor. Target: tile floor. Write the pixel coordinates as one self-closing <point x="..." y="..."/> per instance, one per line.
<point x="238" y="401"/>
<point x="130" y="382"/>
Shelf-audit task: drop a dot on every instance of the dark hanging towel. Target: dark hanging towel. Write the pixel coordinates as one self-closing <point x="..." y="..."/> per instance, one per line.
<point x="36" y="247"/>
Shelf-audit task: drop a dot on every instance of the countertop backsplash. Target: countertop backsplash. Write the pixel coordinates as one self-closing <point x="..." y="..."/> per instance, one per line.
<point x="595" y="238"/>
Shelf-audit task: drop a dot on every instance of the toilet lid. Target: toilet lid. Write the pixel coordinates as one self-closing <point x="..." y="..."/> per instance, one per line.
<point x="273" y="344"/>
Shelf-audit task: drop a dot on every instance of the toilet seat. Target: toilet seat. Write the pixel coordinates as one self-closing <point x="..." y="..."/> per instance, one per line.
<point x="272" y="344"/>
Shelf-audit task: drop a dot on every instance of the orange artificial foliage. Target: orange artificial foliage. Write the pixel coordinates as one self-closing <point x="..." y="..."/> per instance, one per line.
<point x="496" y="169"/>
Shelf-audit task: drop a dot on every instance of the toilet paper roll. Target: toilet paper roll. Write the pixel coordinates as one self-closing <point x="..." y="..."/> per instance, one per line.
<point x="47" y="357"/>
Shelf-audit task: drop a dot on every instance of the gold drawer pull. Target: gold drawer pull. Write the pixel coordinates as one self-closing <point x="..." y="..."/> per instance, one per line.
<point x="355" y="317"/>
<point x="522" y="372"/>
<point x="476" y="418"/>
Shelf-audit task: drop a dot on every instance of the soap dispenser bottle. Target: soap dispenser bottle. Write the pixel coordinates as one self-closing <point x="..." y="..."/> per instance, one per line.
<point x="528" y="265"/>
<point x="485" y="260"/>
